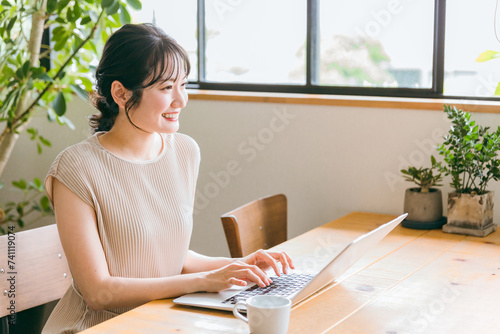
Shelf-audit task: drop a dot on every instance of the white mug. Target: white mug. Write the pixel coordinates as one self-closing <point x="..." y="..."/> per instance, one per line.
<point x="267" y="314"/>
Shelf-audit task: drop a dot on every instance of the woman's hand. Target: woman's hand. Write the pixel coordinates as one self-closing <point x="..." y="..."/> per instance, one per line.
<point x="236" y="273"/>
<point x="265" y="260"/>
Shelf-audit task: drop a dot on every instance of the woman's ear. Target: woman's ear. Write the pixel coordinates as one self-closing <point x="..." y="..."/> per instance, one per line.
<point x="120" y="94"/>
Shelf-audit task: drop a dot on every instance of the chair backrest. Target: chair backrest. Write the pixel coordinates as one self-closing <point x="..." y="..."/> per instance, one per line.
<point x="259" y="224"/>
<point x="33" y="269"/>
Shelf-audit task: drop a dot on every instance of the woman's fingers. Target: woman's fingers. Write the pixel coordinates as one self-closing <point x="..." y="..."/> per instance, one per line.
<point x="248" y="272"/>
<point x="269" y="259"/>
<point x="251" y="269"/>
<point x="235" y="281"/>
<point x="286" y="262"/>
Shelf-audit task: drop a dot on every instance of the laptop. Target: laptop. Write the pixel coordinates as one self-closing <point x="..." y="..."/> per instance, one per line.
<point x="308" y="282"/>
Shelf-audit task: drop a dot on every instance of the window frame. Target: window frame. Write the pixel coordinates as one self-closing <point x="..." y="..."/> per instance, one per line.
<point x="312" y="65"/>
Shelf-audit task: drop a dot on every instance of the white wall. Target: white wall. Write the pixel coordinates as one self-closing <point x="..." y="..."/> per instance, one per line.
<point x="329" y="161"/>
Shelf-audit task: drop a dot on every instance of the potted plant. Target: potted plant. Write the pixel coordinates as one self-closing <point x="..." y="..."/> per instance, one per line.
<point x="47" y="48"/>
<point x="424" y="204"/>
<point x="470" y="157"/>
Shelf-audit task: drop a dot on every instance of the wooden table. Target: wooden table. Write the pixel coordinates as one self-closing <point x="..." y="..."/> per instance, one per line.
<point x="414" y="281"/>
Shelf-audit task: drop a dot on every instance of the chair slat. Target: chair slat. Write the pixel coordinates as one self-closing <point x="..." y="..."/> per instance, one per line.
<point x="40" y="269"/>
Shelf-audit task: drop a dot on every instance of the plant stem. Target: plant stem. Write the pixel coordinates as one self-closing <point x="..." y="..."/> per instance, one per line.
<point x="9" y="137"/>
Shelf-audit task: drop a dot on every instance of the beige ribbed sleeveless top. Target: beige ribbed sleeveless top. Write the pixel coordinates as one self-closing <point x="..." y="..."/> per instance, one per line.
<point x="144" y="215"/>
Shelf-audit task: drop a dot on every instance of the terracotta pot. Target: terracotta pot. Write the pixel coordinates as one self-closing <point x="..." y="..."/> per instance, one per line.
<point x="470" y="214"/>
<point x="423" y="207"/>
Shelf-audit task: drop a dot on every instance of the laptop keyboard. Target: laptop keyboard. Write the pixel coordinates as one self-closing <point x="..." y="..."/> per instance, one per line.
<point x="284" y="285"/>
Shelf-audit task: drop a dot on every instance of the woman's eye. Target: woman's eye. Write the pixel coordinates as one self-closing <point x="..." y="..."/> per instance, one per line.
<point x="167" y="87"/>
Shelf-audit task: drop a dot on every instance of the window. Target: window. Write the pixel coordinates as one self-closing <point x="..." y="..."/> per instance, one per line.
<point x="255" y="41"/>
<point x="425" y="48"/>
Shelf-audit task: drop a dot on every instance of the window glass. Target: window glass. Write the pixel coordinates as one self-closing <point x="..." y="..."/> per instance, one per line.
<point x="470" y="31"/>
<point x="256" y="41"/>
<point x="376" y="43"/>
<point x="177" y="19"/>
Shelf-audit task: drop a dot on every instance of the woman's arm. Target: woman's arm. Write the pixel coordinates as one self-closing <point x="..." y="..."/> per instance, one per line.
<point x="77" y="225"/>
<point x="76" y="222"/>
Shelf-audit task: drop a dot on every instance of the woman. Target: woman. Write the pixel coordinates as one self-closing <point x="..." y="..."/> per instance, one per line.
<point x="123" y="198"/>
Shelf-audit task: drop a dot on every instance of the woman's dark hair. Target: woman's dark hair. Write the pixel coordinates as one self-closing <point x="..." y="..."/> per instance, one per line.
<point x="138" y="56"/>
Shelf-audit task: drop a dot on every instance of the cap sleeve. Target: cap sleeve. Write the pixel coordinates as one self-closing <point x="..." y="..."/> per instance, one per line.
<point x="70" y="171"/>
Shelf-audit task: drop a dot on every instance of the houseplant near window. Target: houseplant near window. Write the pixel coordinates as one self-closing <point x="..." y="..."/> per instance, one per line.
<point x="470" y="157"/>
<point x="31" y="82"/>
<point x="424" y="204"/>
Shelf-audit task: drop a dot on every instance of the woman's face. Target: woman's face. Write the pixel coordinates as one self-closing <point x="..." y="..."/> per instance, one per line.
<point x="161" y="105"/>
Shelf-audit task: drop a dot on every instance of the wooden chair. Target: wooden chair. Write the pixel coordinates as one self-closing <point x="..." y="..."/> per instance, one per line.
<point x="33" y="267"/>
<point x="259" y="224"/>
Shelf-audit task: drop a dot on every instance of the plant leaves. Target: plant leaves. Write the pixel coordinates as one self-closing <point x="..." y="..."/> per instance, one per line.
<point x="45" y="204"/>
<point x="135" y="4"/>
<point x="37" y="182"/>
<point x="487" y="55"/>
<point x="21" y="184"/>
<point x="85" y="20"/>
<point x="59" y="104"/>
<point x="497" y="90"/>
<point x="113" y="9"/>
<point x="107" y="3"/>
<point x="51" y="5"/>
<point x="64" y="120"/>
<point x="82" y="93"/>
<point x="124" y="15"/>
<point x="45" y="141"/>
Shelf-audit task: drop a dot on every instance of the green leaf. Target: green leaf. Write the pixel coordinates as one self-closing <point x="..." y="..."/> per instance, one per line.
<point x="433" y="160"/>
<point x="59" y="104"/>
<point x="497" y="90"/>
<point x="487" y="55"/>
<point x="70" y="15"/>
<point x="60" y="44"/>
<point x="32" y="132"/>
<point x="51" y="5"/>
<point x="64" y="120"/>
<point x="26" y="68"/>
<point x="45" y="204"/>
<point x="124" y="15"/>
<point x="85" y="20"/>
<point x="44" y="77"/>
<point x="37" y="182"/>
<point x="6" y="3"/>
<point x="51" y="115"/>
<point x="107" y="3"/>
<point x="45" y="141"/>
<point x="113" y="8"/>
<point x="21" y="184"/>
<point x="136" y="4"/>
<point x="478" y="147"/>
<point x="11" y="23"/>
<point x="82" y="93"/>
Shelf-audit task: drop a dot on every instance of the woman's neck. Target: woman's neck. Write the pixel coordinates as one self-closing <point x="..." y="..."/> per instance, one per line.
<point x="131" y="143"/>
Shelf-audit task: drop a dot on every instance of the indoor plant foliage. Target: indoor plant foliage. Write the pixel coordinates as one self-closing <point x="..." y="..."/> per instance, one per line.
<point x="423" y="204"/>
<point x="40" y="75"/>
<point x="423" y="177"/>
<point x="470" y="157"/>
